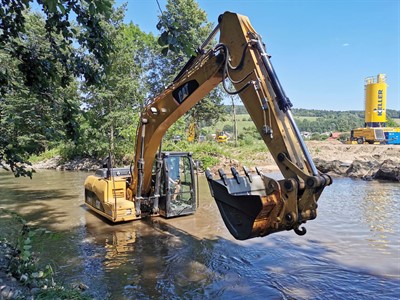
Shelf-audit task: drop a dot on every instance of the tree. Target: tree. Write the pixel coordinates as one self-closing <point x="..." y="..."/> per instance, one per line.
<point x="183" y="27"/>
<point x="38" y="83"/>
<point x="112" y="108"/>
<point x="31" y="119"/>
<point x="391" y="123"/>
<point x="88" y="33"/>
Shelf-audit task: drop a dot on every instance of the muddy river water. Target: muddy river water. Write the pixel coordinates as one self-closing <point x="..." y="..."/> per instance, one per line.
<point x="351" y="251"/>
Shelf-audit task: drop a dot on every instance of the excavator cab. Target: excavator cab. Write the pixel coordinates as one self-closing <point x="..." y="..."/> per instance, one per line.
<point x="177" y="182"/>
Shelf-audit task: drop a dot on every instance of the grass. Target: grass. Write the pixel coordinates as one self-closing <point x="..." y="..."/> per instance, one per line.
<point x="246" y="150"/>
<point x="45" y="155"/>
<point x="310" y="119"/>
<point x="211" y="152"/>
<point x="243" y="121"/>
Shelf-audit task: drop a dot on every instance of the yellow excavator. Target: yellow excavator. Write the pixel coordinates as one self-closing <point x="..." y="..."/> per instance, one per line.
<point x="221" y="137"/>
<point x="163" y="183"/>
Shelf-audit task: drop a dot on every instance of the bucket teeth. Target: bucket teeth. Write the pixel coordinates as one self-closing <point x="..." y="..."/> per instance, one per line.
<point x="223" y="176"/>
<point x="235" y="174"/>
<point x="258" y="171"/>
<point x="247" y="173"/>
<point x="208" y="174"/>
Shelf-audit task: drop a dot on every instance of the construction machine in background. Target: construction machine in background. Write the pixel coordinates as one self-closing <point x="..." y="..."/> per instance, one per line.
<point x="370" y="135"/>
<point x="392" y="136"/>
<point x="221" y="137"/>
<point x="163" y="183"/>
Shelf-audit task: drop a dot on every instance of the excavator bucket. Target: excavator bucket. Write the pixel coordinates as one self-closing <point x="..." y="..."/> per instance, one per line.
<point x="250" y="205"/>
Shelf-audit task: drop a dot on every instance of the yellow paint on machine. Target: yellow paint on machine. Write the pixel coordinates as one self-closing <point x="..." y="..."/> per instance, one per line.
<point x="108" y="198"/>
<point x="375" y="99"/>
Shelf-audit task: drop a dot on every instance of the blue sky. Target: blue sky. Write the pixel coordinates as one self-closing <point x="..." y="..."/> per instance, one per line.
<point x="321" y="50"/>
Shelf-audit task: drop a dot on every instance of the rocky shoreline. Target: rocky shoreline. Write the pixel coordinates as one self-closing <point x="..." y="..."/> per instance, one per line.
<point x="78" y="164"/>
<point x="368" y="162"/>
<point x="367" y="170"/>
<point x="11" y="287"/>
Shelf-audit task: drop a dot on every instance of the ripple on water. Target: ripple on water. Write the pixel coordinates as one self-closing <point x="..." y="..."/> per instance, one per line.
<point x="351" y="251"/>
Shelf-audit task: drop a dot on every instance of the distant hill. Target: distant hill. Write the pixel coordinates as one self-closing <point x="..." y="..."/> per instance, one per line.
<point x="391" y="113"/>
<point x="321" y="121"/>
<point x="302" y="112"/>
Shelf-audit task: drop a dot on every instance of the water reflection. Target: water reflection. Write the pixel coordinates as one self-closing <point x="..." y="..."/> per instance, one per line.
<point x="152" y="258"/>
<point x="351" y="249"/>
<point x="117" y="247"/>
<point x="379" y="201"/>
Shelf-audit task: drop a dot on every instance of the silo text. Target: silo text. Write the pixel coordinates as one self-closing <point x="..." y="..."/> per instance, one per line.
<point x="380" y="102"/>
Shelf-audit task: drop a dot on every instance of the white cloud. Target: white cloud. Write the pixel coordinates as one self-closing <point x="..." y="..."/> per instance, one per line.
<point x="345" y="45"/>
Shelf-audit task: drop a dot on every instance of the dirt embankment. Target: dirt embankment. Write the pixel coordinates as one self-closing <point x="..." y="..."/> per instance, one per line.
<point x="358" y="161"/>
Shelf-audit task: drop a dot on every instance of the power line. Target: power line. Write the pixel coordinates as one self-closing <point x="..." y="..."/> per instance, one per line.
<point x="159" y="7"/>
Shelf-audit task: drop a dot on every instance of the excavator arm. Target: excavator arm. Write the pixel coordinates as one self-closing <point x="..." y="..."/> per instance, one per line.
<point x="250" y="204"/>
<point x="201" y="75"/>
<point x="258" y="205"/>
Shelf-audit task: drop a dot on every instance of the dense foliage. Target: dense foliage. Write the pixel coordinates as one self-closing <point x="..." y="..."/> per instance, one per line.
<point x="42" y="57"/>
<point x="391" y="113"/>
<point x="184" y="27"/>
<point x="74" y="77"/>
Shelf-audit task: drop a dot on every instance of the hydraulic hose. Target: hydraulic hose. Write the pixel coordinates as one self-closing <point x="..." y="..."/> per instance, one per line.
<point x="284" y="103"/>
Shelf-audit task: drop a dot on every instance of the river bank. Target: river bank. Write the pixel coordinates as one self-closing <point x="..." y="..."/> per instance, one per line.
<point x="22" y="276"/>
<point x="369" y="162"/>
<point x="10" y="287"/>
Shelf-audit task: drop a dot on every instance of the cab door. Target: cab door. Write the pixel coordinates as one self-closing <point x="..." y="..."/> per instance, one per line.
<point x="179" y="185"/>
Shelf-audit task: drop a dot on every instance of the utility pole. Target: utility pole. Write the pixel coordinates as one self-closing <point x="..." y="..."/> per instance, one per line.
<point x="234" y="120"/>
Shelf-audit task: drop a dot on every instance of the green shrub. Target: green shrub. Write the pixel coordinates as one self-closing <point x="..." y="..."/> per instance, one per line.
<point x="206" y="152"/>
<point x="45" y="155"/>
<point x="246" y="140"/>
<point x="25" y="263"/>
<point x="228" y="128"/>
<point x="207" y="161"/>
<point x="344" y="137"/>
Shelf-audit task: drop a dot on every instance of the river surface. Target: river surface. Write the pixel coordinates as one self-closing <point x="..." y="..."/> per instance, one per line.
<point x="351" y="251"/>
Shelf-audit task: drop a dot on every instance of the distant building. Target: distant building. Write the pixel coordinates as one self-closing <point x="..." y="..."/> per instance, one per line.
<point x="335" y="135"/>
